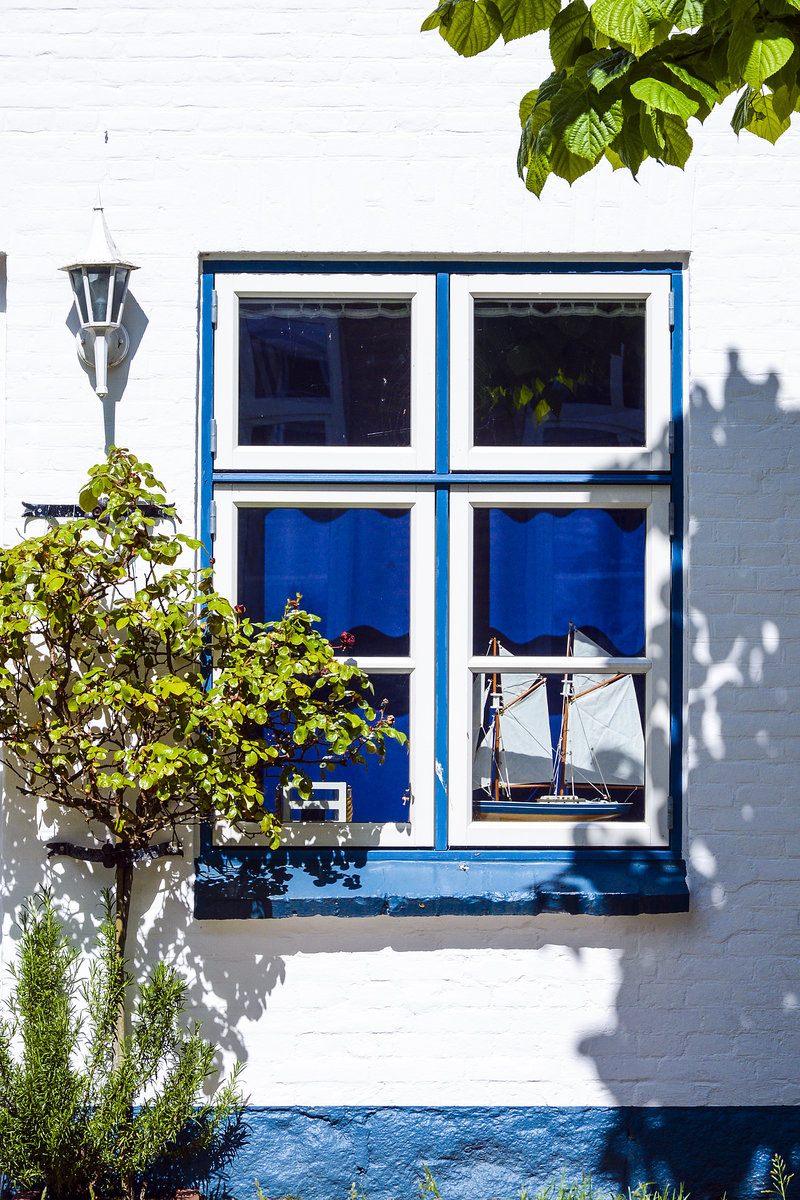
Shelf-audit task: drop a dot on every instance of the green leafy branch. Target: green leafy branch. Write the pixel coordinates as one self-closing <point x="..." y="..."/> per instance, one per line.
<point x="629" y="75"/>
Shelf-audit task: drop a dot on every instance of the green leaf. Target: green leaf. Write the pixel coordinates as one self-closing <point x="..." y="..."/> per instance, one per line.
<point x="764" y="121"/>
<point x="784" y="100"/>
<point x="742" y="113"/>
<point x="527" y="105"/>
<point x="567" y="33"/>
<point x="521" y="17"/>
<point x="610" y="68"/>
<point x="592" y="131"/>
<point x="567" y="165"/>
<point x="433" y="21"/>
<point x="677" y="142"/>
<point x="767" y="55"/>
<point x="530" y="132"/>
<point x="472" y="26"/>
<point x="551" y="86"/>
<point x="626" y="21"/>
<point x="690" y="15"/>
<point x="664" y="97"/>
<point x="87" y="499"/>
<point x="629" y="146"/>
<point x="704" y="89"/>
<point x="616" y="162"/>
<point x="652" y="137"/>
<point x="740" y="45"/>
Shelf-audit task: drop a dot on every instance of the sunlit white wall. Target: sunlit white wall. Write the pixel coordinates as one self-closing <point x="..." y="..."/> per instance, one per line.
<point x="322" y="128"/>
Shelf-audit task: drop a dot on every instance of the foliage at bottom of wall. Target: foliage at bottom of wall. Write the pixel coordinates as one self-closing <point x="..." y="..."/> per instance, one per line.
<point x="779" y="1180"/>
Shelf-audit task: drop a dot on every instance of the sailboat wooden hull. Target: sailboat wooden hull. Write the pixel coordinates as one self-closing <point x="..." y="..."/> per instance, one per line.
<point x="560" y="808"/>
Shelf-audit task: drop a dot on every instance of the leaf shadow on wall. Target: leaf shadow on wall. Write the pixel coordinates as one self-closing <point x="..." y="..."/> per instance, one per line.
<point x="708" y="1005"/>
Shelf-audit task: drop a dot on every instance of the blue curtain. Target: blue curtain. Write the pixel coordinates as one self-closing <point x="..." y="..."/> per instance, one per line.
<point x="350" y="566"/>
<point x="537" y="570"/>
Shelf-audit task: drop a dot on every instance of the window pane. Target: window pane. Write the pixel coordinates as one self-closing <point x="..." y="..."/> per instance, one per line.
<point x="351" y="568"/>
<point x="538" y="571"/>
<point x="559" y="373"/>
<point x="559" y="747"/>
<point x="324" y="373"/>
<point x="371" y="791"/>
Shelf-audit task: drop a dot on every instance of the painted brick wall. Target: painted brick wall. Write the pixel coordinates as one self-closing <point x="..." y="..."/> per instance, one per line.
<point x="323" y="128"/>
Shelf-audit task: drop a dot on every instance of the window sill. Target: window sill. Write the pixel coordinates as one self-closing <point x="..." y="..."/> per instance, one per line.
<point x="249" y="883"/>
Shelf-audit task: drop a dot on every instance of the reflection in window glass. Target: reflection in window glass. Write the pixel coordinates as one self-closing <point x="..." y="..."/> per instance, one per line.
<point x="351" y="568"/>
<point x="324" y="373"/>
<point x="539" y="571"/>
<point x="559" y="373"/>
<point x="370" y="791"/>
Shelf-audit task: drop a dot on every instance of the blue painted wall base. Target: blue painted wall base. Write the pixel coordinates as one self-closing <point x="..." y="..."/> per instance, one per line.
<point x="480" y="1153"/>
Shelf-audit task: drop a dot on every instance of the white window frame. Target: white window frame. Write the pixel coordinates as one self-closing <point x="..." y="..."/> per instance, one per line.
<point x="419" y="664"/>
<point x="420" y="290"/>
<point x="653" y="830"/>
<point x="653" y="290"/>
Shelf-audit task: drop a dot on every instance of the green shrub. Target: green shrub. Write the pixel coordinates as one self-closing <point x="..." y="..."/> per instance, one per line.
<point x="83" y="1113"/>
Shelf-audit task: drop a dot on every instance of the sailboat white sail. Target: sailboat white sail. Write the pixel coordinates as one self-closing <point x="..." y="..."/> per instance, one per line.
<point x="520" y="711"/>
<point x="600" y="745"/>
<point x="605" y="746"/>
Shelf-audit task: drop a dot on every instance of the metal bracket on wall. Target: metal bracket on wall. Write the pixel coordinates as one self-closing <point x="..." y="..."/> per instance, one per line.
<point x="52" y="511"/>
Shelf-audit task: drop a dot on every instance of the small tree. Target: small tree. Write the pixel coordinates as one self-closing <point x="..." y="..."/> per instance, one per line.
<point x="67" y="1116"/>
<point x="134" y="694"/>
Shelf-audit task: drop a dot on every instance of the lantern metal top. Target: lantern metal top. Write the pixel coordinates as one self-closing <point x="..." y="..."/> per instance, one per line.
<point x="100" y="251"/>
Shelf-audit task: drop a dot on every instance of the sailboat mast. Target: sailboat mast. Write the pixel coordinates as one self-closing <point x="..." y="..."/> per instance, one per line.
<point x="496" y="751"/>
<point x="565" y="714"/>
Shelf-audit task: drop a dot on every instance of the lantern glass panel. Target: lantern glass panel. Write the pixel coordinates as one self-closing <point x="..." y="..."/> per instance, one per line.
<point x="120" y="281"/>
<point x="76" y="279"/>
<point x="99" y="279"/>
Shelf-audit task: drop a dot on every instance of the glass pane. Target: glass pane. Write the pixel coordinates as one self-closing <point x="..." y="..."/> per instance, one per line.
<point x="351" y="568"/>
<point x="371" y="791"/>
<point x="99" y="283"/>
<point x="559" y="372"/>
<point x="539" y="571"/>
<point x="120" y="277"/>
<point x="324" y="373"/>
<point x="559" y="747"/>
<point x="80" y="295"/>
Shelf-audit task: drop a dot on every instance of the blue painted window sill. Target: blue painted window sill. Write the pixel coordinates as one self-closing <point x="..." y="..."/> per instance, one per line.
<point x="248" y="883"/>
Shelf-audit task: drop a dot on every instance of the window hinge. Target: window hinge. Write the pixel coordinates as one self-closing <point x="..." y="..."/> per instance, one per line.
<point x="671" y="520"/>
<point x="670" y="813"/>
<point x="212" y="437"/>
<point x="212" y="518"/>
<point x="670" y="437"/>
<point x="671" y="310"/>
<point x="214" y="309"/>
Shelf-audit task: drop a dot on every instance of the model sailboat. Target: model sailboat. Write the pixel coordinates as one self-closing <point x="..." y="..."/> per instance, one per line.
<point x="597" y="763"/>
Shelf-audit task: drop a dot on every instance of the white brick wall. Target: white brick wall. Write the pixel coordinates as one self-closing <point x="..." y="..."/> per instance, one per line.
<point x="325" y="128"/>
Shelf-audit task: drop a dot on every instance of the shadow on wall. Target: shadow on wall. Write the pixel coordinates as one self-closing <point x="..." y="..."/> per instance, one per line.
<point x="707" y="1005"/>
<point x="135" y="323"/>
<point x="734" y="1030"/>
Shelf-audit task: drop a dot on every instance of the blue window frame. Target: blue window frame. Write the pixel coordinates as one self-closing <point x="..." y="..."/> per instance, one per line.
<point x="476" y="468"/>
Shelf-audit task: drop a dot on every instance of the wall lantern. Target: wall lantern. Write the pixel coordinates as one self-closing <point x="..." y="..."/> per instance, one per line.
<point x="100" y="284"/>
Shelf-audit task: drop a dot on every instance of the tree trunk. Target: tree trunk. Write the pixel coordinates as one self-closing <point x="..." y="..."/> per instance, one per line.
<point x="123" y="883"/>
